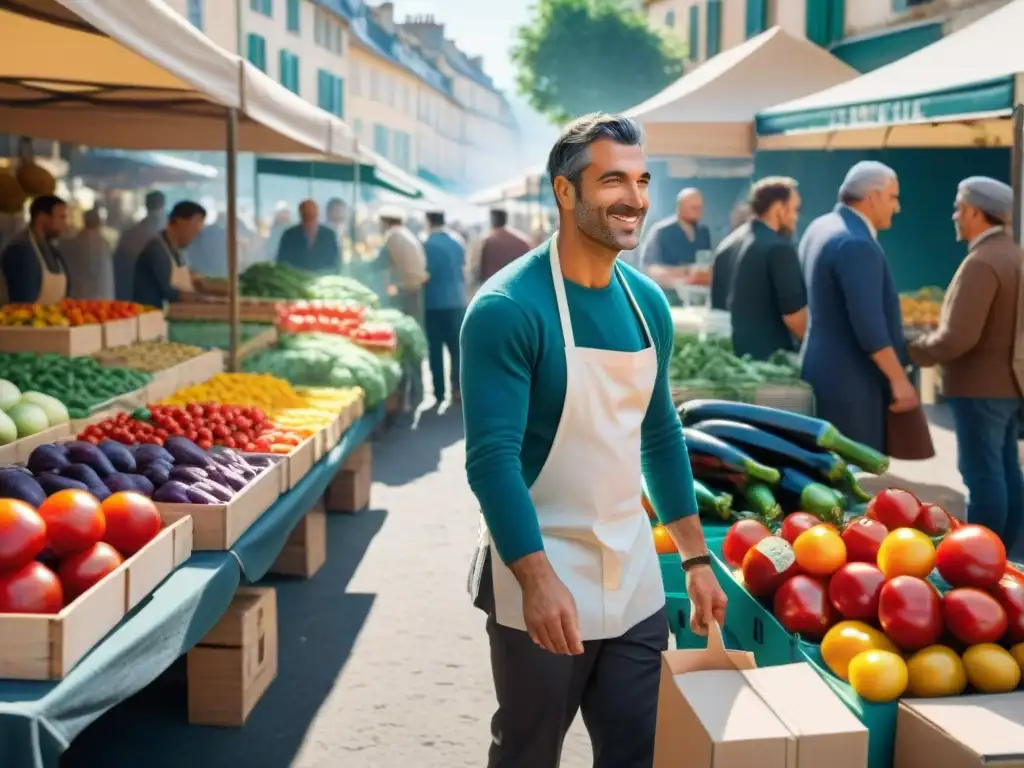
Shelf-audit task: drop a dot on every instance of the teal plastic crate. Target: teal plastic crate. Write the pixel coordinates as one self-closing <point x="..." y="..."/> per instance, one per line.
<point x="677" y="606"/>
<point x="751" y="621"/>
<point x="672" y="574"/>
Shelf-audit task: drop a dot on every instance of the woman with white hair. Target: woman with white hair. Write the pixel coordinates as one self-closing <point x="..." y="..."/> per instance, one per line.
<point x="854" y="351"/>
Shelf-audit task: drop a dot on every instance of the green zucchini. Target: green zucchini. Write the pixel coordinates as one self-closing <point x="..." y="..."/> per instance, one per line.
<point x="849" y="485"/>
<point x="806" y="431"/>
<point x="715" y="506"/>
<point x="814" y="498"/>
<point x="711" y="457"/>
<point x="763" y="503"/>
<point x="772" y="449"/>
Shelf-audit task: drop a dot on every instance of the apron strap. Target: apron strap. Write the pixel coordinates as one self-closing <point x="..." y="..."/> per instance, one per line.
<point x="563" y="303"/>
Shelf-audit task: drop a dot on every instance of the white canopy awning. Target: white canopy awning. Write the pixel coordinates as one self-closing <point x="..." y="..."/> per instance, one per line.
<point x="958" y="91"/>
<point x="710" y="111"/>
<point x="529" y="185"/>
<point x="136" y="75"/>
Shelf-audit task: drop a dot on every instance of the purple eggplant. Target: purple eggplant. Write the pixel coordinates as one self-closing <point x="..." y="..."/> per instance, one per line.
<point x="188" y="474"/>
<point x="218" y="491"/>
<point x="185" y="451"/>
<point x="81" y="452"/>
<point x="172" y="492"/>
<point x="197" y="495"/>
<point x="52" y="457"/>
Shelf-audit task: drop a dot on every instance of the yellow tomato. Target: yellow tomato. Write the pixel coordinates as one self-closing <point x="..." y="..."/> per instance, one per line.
<point x="991" y="669"/>
<point x="847" y="639"/>
<point x="1018" y="654"/>
<point x="878" y="676"/>
<point x="906" y="552"/>
<point x="936" y="671"/>
<point x="820" y="550"/>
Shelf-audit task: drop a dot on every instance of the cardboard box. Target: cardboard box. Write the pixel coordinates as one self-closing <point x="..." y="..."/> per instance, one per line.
<point x="717" y="710"/>
<point x="152" y="325"/>
<point x="195" y="371"/>
<point x="961" y="732"/>
<point x="44" y="647"/>
<point x="231" y="669"/>
<point x="70" y="342"/>
<point x="305" y="552"/>
<point x="119" y="333"/>
<point x="350" y="489"/>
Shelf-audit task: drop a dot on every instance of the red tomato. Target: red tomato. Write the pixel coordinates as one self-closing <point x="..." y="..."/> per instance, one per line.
<point x="910" y="612"/>
<point x="797" y="523"/>
<point x="22" y="534"/>
<point x="132" y="521"/>
<point x="33" y="588"/>
<point x="741" y="536"/>
<point x="933" y="520"/>
<point x="854" y="589"/>
<point x="971" y="556"/>
<point x="802" y="607"/>
<point x="894" y="508"/>
<point x="863" y="537"/>
<point x="767" y="565"/>
<point x="79" y="572"/>
<point x="74" y="521"/>
<point x="1010" y="594"/>
<point x="973" y="616"/>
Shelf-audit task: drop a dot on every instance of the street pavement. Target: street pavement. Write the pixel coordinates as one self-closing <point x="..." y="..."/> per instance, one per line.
<point x="383" y="663"/>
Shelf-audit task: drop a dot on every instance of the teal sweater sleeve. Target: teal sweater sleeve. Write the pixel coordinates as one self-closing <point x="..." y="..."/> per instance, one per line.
<point x="496" y="399"/>
<point x="664" y="460"/>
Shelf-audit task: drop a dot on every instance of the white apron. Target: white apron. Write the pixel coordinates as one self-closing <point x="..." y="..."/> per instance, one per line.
<point x="53" y="288"/>
<point x="595" y="532"/>
<point x="181" y="277"/>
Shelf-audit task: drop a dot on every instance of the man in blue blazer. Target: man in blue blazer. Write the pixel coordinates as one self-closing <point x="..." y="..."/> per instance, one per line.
<point x="854" y="353"/>
<point x="310" y="245"/>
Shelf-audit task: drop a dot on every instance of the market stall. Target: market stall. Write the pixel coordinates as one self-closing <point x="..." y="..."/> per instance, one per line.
<point x="904" y="612"/>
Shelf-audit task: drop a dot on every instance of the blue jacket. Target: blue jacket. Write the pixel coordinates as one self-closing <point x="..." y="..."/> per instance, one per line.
<point x="446" y="264"/>
<point x="323" y="255"/>
<point x="854" y="311"/>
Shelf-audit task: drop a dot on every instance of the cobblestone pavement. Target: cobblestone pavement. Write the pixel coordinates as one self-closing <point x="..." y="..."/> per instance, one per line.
<point x="383" y="663"/>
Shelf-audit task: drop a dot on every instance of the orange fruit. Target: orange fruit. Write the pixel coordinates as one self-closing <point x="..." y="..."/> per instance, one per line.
<point x="820" y="551"/>
<point x="906" y="552"/>
<point x="663" y="543"/>
<point x="647" y="507"/>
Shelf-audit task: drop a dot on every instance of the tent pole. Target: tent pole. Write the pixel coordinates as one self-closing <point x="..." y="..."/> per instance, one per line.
<point x="231" y="162"/>
<point x="1017" y="168"/>
<point x="353" y="224"/>
<point x="256" y="196"/>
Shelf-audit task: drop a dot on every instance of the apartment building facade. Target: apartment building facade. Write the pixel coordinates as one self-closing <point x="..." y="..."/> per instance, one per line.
<point x="866" y="34"/>
<point x="419" y="102"/>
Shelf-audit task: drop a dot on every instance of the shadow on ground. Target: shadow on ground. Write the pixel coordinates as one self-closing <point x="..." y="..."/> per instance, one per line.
<point x="318" y="624"/>
<point x="413" y="453"/>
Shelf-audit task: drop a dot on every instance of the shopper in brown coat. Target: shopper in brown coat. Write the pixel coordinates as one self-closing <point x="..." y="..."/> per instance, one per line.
<point x="974" y="344"/>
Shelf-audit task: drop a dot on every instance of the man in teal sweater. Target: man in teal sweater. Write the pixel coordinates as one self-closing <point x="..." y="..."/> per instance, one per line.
<point x="566" y="403"/>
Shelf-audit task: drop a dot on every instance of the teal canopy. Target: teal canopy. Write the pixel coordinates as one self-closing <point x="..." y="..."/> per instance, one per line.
<point x="320" y="170"/>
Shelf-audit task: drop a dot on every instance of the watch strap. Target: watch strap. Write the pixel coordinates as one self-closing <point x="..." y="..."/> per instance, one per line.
<point x="696" y="562"/>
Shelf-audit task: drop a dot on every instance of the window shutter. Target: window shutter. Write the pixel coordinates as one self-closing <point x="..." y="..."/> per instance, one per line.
<point x="694" y="33"/>
<point x="757" y="20"/>
<point x="714" y="31"/>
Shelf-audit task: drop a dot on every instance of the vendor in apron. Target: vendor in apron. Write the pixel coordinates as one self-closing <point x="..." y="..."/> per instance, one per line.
<point x="161" y="273"/>
<point x="34" y="271"/>
<point x="566" y="406"/>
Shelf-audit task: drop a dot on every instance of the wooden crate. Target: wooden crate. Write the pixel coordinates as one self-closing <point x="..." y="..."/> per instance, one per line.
<point x="350" y="489"/>
<point x="42" y="647"/>
<point x="305" y="551"/>
<point x="23" y="447"/>
<point x="120" y="333"/>
<point x="195" y="371"/>
<point x="218" y="526"/>
<point x="295" y="465"/>
<point x="70" y="342"/>
<point x="152" y="326"/>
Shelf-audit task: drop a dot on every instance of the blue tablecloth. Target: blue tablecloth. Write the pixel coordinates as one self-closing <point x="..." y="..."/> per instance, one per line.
<point x="258" y="547"/>
<point x="39" y="719"/>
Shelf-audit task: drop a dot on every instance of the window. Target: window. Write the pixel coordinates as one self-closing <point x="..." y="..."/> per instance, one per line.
<point x="355" y="81"/>
<point x="327" y="32"/>
<point x="403" y="151"/>
<point x="375" y="85"/>
<point x="757" y="17"/>
<point x="381" y="141"/>
<point x="694" y="33"/>
<point x="330" y="92"/>
<point x="670" y="19"/>
<point x="288" y="64"/>
<point x="292" y="16"/>
<point x="826" y="21"/>
<point x="714" y="30"/>
<point x="899" y="6"/>
<point x="257" y="51"/>
<point x="195" y="13"/>
<point x="357" y="126"/>
<point x="264" y="7"/>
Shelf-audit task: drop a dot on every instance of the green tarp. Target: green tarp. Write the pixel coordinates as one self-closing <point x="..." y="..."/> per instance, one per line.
<point x="322" y="171"/>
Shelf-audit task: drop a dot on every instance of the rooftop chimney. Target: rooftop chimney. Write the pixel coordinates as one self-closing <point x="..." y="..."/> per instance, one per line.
<point x="427" y="30"/>
<point x="477" y="62"/>
<point x="385" y="16"/>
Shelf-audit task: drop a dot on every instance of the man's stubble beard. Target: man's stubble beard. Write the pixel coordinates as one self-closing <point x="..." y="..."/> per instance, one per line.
<point x="591" y="225"/>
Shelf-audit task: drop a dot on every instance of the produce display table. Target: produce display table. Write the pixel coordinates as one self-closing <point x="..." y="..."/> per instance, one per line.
<point x="38" y="720"/>
<point x="258" y="547"/>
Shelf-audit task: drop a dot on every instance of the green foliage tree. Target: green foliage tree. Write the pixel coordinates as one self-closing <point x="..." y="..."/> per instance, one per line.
<point x="581" y="56"/>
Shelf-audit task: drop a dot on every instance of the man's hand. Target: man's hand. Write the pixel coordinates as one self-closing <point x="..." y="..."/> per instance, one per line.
<point x="706" y="597"/>
<point x="904" y="396"/>
<point x="548" y="609"/>
<point x="392" y="290"/>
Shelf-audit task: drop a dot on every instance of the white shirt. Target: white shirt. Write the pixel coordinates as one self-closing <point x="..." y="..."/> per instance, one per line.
<point x="867" y="222"/>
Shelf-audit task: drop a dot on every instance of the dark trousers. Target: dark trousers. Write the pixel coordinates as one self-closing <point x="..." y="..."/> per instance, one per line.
<point x="442" y="328"/>
<point x="614" y="684"/>
<point x="989" y="461"/>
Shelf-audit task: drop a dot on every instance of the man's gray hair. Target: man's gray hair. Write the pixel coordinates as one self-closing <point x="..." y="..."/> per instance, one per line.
<point x="569" y="156"/>
<point x="864" y="177"/>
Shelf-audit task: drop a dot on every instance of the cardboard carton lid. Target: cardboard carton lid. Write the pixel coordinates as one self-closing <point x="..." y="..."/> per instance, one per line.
<point x="728" y="708"/>
<point x="990" y="726"/>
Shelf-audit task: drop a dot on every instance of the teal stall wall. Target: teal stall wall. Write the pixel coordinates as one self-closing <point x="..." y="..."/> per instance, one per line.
<point x="921" y="246"/>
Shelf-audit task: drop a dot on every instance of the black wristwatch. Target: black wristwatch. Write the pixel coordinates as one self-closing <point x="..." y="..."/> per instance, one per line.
<point x="696" y="562"/>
